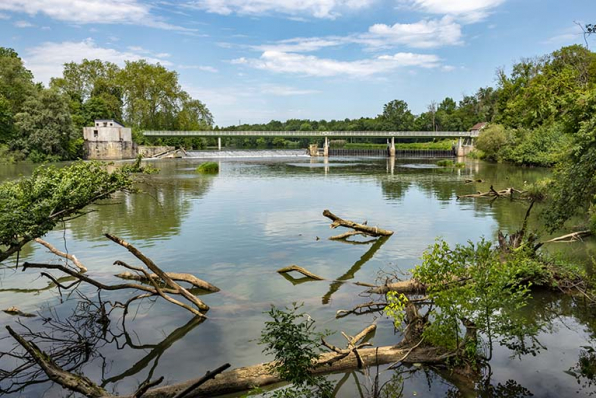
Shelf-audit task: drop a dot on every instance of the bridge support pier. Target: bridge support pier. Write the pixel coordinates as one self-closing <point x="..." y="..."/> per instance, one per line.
<point x="326" y="147"/>
<point x="219" y="143"/>
<point x="391" y="147"/>
<point x="464" y="146"/>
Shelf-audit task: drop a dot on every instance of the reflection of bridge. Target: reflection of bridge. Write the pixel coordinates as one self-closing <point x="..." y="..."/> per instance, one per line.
<point x="464" y="143"/>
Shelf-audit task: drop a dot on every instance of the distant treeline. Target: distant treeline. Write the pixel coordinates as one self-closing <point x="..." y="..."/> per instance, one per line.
<point x="532" y="111"/>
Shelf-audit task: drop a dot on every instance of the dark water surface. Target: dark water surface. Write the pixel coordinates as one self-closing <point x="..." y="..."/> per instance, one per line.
<point x="237" y="228"/>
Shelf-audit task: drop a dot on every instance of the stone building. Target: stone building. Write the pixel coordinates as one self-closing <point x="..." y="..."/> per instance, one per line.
<point x="108" y="140"/>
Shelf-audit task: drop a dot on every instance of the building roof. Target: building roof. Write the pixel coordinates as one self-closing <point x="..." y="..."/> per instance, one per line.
<point x="479" y="126"/>
<point x="109" y="120"/>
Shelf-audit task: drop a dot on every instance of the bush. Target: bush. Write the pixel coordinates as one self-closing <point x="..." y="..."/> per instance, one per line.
<point x="208" y="168"/>
<point x="445" y="163"/>
<point x="492" y="140"/>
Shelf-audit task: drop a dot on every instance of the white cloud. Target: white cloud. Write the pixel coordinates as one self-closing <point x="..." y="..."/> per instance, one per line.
<point x="23" y="24"/>
<point x="80" y="12"/>
<point x="204" y="68"/>
<point x="285" y="91"/>
<point x="47" y="60"/>
<point x="422" y="34"/>
<point x="4" y="16"/>
<point x="317" y="8"/>
<point x="309" y="65"/>
<point x="466" y="10"/>
<point x="429" y="33"/>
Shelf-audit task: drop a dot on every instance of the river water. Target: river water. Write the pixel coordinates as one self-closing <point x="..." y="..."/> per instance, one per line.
<point x="235" y="229"/>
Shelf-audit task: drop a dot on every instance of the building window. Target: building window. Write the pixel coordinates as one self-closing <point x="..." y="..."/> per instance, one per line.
<point x="95" y="133"/>
<point x="111" y="124"/>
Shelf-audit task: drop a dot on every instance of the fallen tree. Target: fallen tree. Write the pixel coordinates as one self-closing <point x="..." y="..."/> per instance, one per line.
<point x="358" y="228"/>
<point x="492" y="193"/>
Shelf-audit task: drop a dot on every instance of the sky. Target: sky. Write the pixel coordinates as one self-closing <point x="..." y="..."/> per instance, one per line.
<point x="252" y="61"/>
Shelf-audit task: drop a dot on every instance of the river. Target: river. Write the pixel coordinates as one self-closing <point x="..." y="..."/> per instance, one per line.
<point x="235" y="229"/>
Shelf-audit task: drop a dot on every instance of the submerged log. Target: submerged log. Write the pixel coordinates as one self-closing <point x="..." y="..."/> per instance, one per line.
<point x="175" y="276"/>
<point x="339" y="222"/>
<point x="492" y="193"/>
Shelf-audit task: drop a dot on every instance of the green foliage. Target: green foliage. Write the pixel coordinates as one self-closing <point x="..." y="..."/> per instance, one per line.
<point x="208" y="168"/>
<point x="290" y="336"/>
<point x="491" y="140"/>
<point x="445" y="163"/>
<point x="33" y="206"/>
<point x="44" y="125"/>
<point x="396" y="116"/>
<point x="396" y="305"/>
<point x="573" y="190"/>
<point x="471" y="283"/>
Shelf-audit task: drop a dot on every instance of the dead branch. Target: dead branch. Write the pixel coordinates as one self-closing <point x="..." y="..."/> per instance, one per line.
<point x="361" y="309"/>
<point x="572" y="237"/>
<point x="67" y="256"/>
<point x="372" y="231"/>
<point x="209" y="375"/>
<point x="70" y="381"/>
<point x="409" y="286"/>
<point x="15" y="311"/>
<point x="176" y="276"/>
<point x="492" y="193"/>
<point x="301" y="270"/>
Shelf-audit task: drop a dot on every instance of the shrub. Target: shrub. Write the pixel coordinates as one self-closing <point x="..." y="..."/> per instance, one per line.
<point x="208" y="168"/>
<point x="445" y="163"/>
<point x="491" y="141"/>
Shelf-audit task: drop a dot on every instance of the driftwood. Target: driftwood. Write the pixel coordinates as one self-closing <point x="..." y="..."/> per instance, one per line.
<point x="175" y="276"/>
<point x="17" y="312"/>
<point x="469" y="181"/>
<point x="301" y="270"/>
<point x="572" y="237"/>
<point x="371" y="231"/>
<point x="67" y="256"/>
<point x="406" y="287"/>
<point x="361" y="309"/>
<point x="492" y="193"/>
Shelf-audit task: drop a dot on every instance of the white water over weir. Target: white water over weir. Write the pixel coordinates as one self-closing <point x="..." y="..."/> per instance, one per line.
<point x="265" y="153"/>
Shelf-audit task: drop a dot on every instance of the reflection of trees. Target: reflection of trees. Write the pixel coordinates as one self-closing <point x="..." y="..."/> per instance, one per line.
<point x="155" y="211"/>
<point x="78" y="340"/>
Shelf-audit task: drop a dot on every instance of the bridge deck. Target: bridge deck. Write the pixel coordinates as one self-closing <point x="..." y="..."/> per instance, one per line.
<point x="321" y="134"/>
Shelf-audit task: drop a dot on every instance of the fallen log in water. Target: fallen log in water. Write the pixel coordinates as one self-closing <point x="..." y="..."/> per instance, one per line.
<point x="492" y="193"/>
<point x="339" y="222"/>
<point x="406" y="287"/>
<point x="175" y="276"/>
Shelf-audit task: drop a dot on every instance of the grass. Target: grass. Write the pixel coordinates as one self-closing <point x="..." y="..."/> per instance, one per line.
<point x="208" y="168"/>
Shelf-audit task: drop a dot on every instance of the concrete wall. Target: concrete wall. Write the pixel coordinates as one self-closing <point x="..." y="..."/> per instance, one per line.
<point x="98" y="134"/>
<point x="151" y="151"/>
<point x="107" y="150"/>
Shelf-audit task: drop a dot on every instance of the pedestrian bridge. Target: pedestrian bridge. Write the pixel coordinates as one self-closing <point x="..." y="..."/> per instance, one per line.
<point x="320" y="134"/>
<point x="463" y="147"/>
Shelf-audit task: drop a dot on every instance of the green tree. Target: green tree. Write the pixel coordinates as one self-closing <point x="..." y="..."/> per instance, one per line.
<point x="44" y="125"/>
<point x="492" y="140"/>
<point x="397" y="116"/>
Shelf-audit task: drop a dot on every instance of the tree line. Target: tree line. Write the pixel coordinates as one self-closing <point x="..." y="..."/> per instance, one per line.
<point x="42" y="123"/>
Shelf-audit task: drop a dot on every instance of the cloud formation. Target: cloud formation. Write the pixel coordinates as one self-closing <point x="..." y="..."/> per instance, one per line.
<point x="466" y="10"/>
<point x="309" y="65"/>
<point x="428" y="33"/>
<point x="316" y="8"/>
<point x="47" y="60"/>
<point x="81" y="12"/>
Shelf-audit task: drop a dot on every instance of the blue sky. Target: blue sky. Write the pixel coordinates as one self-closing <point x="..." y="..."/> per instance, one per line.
<point x="257" y="60"/>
